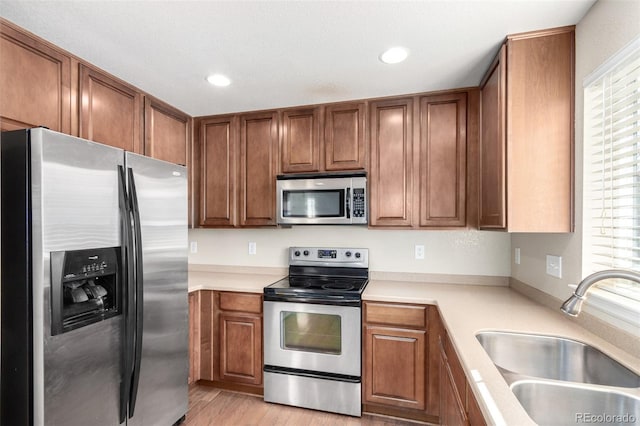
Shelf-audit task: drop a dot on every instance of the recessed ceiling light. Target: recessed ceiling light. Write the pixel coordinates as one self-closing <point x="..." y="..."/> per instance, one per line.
<point x="219" y="80"/>
<point x="394" y="55"/>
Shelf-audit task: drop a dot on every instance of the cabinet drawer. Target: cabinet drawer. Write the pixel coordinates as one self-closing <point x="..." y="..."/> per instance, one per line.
<point x="241" y="302"/>
<point x="390" y="314"/>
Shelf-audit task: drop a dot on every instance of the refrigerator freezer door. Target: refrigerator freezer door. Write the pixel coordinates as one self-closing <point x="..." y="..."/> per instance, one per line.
<point x="75" y="206"/>
<point x="162" y="199"/>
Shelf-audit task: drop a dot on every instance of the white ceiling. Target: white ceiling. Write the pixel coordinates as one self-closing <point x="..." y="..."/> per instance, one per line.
<point x="286" y="53"/>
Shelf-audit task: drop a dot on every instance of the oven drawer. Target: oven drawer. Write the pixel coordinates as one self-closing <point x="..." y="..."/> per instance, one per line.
<point x="305" y="336"/>
<point x="393" y="314"/>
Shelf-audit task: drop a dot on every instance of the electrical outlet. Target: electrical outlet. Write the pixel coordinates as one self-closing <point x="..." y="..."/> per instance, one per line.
<point x="554" y="266"/>
<point x="419" y="252"/>
<point x="252" y="248"/>
<point x="193" y="246"/>
<point x="516" y="256"/>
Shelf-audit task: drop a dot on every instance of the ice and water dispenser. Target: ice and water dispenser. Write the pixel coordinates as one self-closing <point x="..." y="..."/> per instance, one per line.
<point x="86" y="287"/>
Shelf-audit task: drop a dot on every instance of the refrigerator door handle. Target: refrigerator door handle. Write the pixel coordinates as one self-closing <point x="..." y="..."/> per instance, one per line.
<point x="138" y="283"/>
<point x="126" y="348"/>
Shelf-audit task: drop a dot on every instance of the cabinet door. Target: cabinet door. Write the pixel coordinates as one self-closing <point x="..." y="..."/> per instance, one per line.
<point x="540" y="122"/>
<point x="384" y="383"/>
<point x="208" y="335"/>
<point x="391" y="154"/>
<point x="476" y="418"/>
<point x="442" y="160"/>
<point x="344" y="136"/>
<point x="492" y="146"/>
<point x="194" y="336"/>
<point x="218" y="145"/>
<point x="110" y="112"/>
<point x="300" y="140"/>
<point x="166" y="132"/>
<point x="452" y="411"/>
<point x="241" y="348"/>
<point x="35" y="83"/>
<point x="258" y="155"/>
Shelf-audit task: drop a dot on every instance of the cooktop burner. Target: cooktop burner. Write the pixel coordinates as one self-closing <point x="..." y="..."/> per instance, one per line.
<point x="322" y="275"/>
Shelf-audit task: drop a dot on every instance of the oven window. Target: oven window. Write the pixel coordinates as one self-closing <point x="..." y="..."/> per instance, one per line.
<point x="310" y="332"/>
<point x="315" y="203"/>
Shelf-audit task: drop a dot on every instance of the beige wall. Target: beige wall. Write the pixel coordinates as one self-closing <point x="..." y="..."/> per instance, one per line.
<point x="606" y="28"/>
<point x="447" y="252"/>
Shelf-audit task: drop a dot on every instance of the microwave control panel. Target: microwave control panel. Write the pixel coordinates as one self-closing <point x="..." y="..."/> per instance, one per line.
<point x="359" y="203"/>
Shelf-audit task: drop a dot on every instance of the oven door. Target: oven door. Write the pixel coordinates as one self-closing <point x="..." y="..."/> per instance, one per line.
<point x="319" y="338"/>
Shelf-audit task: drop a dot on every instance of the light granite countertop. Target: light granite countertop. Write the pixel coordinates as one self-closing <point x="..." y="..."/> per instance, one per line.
<point x="465" y="309"/>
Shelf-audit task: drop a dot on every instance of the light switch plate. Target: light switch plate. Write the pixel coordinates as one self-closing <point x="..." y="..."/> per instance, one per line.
<point x="516" y="256"/>
<point x="554" y="266"/>
<point x="252" y="248"/>
<point x="193" y="246"/>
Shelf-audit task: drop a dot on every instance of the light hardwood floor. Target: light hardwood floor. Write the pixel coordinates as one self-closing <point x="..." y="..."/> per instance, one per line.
<point x="211" y="406"/>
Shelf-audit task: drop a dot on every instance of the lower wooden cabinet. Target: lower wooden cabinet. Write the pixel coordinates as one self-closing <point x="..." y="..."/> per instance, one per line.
<point x="399" y="373"/>
<point x="452" y="411"/>
<point x="475" y="416"/>
<point x="241" y="348"/>
<point x="458" y="405"/>
<point x="227" y="347"/>
<point x="387" y="349"/>
<point x="194" y="336"/>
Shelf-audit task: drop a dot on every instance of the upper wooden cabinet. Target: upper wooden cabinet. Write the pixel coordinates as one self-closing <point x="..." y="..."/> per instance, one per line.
<point x="218" y="171"/>
<point x="493" y="195"/>
<point x="257" y="178"/>
<point x="390" y="167"/>
<point x="418" y="168"/>
<point x="110" y="111"/>
<point x="301" y="140"/>
<point x="442" y="160"/>
<point x="238" y="160"/>
<point x="323" y="138"/>
<point x="43" y="85"/>
<point x="344" y="136"/>
<point x="527" y="137"/>
<point x="167" y="132"/>
<point x="35" y="82"/>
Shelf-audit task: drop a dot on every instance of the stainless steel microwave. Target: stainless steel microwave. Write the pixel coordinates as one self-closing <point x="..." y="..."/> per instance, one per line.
<point x="322" y="199"/>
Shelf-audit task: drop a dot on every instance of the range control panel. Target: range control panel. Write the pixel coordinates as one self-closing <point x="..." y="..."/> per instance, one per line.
<point x="327" y="256"/>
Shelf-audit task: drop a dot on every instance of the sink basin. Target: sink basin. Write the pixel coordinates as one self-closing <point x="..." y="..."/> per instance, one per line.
<point x="555" y="358"/>
<point x="553" y="403"/>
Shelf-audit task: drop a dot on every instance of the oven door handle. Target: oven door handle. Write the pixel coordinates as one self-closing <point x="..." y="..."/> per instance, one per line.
<point x="311" y="374"/>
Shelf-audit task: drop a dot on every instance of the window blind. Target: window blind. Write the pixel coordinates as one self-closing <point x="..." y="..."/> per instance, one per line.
<point x="612" y="170"/>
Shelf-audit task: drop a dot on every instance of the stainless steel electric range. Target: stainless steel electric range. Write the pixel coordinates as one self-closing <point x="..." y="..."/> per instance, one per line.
<point x="312" y="330"/>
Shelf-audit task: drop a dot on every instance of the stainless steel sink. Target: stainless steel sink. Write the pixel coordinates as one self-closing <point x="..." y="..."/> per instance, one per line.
<point x="553" y="403"/>
<point x="555" y="358"/>
<point x="561" y="381"/>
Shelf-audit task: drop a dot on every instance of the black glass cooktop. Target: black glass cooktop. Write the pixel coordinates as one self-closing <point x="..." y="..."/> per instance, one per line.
<point x="319" y="284"/>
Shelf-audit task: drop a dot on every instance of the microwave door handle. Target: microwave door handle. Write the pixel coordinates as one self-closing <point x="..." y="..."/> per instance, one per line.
<point x="348" y="203"/>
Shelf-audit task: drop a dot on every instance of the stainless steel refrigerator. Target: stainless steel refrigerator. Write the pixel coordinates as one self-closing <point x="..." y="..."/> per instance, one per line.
<point x="94" y="284"/>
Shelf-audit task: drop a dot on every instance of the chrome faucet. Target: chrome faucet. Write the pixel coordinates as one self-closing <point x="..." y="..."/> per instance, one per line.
<point x="573" y="304"/>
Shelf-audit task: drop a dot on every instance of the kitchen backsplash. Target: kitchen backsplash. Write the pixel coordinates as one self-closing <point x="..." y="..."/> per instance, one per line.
<point x="445" y="252"/>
